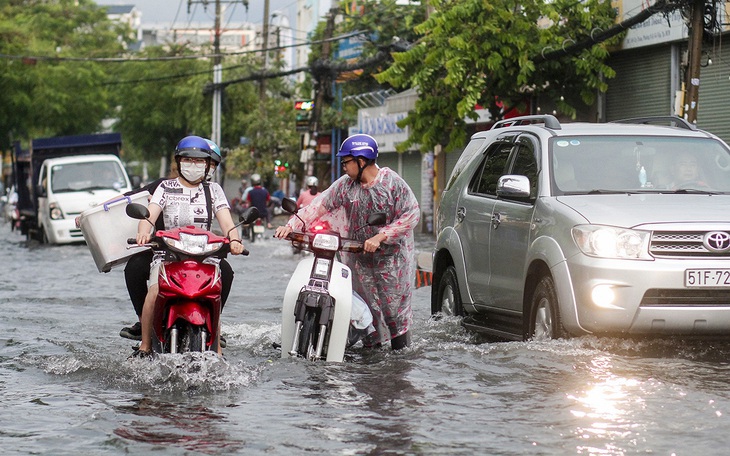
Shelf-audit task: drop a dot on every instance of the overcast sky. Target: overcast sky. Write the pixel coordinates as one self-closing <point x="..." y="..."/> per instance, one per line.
<point x="175" y="12"/>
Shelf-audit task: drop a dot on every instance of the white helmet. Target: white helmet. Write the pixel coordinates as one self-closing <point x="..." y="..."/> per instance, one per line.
<point x="255" y="179"/>
<point x="312" y="181"/>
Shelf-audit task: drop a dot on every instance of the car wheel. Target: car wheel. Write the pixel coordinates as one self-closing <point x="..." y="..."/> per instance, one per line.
<point x="448" y="299"/>
<point x="545" y="323"/>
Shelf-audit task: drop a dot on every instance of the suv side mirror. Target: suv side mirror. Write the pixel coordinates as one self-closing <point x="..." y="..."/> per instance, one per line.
<point x="513" y="186"/>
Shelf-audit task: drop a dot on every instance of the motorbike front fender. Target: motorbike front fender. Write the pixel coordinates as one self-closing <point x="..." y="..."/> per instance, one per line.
<point x="340" y="288"/>
<point x="194" y="312"/>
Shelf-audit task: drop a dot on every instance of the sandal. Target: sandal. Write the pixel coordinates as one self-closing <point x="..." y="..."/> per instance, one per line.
<point x="141" y="354"/>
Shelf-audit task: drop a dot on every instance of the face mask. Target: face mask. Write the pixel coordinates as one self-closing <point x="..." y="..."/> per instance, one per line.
<point x="192" y="172"/>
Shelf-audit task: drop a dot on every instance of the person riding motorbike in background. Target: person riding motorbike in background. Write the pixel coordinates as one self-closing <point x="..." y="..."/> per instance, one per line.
<point x="306" y="196"/>
<point x="186" y="200"/>
<point x="384" y="279"/>
<point x="259" y="197"/>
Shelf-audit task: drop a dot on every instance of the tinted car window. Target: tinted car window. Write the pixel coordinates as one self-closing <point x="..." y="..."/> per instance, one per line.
<point x="525" y="164"/>
<point x="474" y="146"/>
<point x="493" y="166"/>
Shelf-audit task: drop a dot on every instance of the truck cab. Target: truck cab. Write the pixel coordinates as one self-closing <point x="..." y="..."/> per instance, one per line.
<point x="67" y="186"/>
<point x="57" y="178"/>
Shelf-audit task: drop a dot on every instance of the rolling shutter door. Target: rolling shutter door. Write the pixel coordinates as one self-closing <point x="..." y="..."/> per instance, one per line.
<point x="407" y="165"/>
<point x="642" y="86"/>
<point x="412" y="172"/>
<point x="713" y="110"/>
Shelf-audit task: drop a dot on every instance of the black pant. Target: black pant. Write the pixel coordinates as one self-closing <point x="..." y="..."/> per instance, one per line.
<point x="137" y="272"/>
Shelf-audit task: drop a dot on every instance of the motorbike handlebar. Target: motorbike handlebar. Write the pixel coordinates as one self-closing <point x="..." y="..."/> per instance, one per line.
<point x="346" y="245"/>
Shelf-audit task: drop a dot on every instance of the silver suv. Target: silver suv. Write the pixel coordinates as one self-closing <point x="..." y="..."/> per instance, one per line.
<point x="547" y="230"/>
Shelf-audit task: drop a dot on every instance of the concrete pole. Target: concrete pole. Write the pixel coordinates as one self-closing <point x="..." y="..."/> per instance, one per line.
<point x="265" y="48"/>
<point x="692" y="81"/>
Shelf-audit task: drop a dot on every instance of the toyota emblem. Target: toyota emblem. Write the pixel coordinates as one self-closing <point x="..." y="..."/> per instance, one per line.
<point x="717" y="241"/>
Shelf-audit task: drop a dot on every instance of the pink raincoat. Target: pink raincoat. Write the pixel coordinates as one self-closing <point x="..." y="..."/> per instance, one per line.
<point x="384" y="278"/>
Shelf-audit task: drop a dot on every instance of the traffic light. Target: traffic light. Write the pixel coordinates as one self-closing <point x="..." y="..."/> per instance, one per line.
<point x="280" y="167"/>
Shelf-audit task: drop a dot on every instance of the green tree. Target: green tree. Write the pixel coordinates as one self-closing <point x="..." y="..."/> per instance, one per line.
<point x="49" y="83"/>
<point x="161" y="101"/>
<point x="483" y="52"/>
<point x="384" y="25"/>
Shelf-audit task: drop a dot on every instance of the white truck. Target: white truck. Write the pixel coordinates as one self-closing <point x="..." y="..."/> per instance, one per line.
<point x="69" y="174"/>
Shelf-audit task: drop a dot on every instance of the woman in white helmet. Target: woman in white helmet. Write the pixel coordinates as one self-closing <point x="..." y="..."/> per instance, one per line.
<point x="306" y="196"/>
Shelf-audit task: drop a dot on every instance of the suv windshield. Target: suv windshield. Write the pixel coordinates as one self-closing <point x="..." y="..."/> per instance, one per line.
<point x="87" y="176"/>
<point x="609" y="164"/>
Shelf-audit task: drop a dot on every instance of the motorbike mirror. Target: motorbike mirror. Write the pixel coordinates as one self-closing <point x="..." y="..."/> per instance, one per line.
<point x="137" y="211"/>
<point x="248" y="216"/>
<point x="289" y="205"/>
<point x="377" y="219"/>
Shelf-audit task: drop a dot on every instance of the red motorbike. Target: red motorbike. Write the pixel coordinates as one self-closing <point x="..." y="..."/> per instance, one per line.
<point x="189" y="300"/>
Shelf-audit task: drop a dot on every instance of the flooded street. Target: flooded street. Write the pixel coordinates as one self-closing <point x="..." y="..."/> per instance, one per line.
<point x="68" y="388"/>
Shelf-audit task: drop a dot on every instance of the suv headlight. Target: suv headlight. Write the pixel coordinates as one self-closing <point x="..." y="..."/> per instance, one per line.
<point x="612" y="242"/>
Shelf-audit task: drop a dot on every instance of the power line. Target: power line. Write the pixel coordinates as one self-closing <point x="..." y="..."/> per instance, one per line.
<point x="169" y="58"/>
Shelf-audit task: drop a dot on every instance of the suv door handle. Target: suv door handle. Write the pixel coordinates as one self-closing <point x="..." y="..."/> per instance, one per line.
<point x="460" y="213"/>
<point x="496" y="220"/>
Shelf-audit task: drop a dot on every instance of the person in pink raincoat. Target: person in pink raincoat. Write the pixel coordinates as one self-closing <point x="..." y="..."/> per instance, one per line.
<point x="385" y="273"/>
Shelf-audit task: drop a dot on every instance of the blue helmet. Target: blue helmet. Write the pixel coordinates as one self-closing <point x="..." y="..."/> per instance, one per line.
<point x="359" y="145"/>
<point x="193" y="146"/>
<point x="216" y="152"/>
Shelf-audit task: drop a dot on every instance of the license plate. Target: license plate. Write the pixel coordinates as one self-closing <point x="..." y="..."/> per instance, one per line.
<point x="708" y="278"/>
<point x="258" y="229"/>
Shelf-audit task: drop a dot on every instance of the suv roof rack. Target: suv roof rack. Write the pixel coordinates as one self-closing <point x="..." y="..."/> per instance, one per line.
<point x="673" y="121"/>
<point x="550" y="121"/>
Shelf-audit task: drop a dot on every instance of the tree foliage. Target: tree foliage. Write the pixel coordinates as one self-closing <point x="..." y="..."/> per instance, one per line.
<point x="50" y="96"/>
<point x="483" y="52"/>
<point x="384" y="25"/>
<point x="160" y="102"/>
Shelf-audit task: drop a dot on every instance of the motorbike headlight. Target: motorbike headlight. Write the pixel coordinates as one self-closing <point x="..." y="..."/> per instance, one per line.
<point x="326" y="242"/>
<point x="612" y="242"/>
<point x="193" y="244"/>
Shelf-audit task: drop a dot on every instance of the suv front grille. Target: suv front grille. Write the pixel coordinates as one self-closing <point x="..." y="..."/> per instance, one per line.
<point x="681" y="245"/>
<point x="669" y="297"/>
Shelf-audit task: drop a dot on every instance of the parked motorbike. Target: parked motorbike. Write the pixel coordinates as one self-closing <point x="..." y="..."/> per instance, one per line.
<point x="188" y="305"/>
<point x="321" y="315"/>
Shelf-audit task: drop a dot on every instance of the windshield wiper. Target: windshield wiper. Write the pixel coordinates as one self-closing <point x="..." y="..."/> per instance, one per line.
<point x="600" y="191"/>
<point x="693" y="191"/>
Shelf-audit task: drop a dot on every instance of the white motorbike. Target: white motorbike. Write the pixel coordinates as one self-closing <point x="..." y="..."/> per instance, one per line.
<point x="321" y="316"/>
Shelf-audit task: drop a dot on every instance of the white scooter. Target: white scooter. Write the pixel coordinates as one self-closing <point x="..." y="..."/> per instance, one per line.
<point x="321" y="315"/>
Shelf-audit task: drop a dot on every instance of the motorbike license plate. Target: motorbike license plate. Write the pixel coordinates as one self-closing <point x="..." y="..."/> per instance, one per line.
<point x="707" y="278"/>
<point x="258" y="229"/>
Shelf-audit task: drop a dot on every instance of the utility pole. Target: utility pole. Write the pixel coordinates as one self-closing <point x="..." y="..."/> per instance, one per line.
<point x="265" y="48"/>
<point x="694" y="51"/>
<point x="215" y="133"/>
<point x="322" y="78"/>
<point x="217" y="77"/>
<point x="322" y="81"/>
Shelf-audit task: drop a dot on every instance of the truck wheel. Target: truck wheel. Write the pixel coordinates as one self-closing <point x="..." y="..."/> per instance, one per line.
<point x="545" y="322"/>
<point x="44" y="235"/>
<point x="448" y="299"/>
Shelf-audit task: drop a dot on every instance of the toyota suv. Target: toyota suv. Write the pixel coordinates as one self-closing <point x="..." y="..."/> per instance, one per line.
<point x="548" y="229"/>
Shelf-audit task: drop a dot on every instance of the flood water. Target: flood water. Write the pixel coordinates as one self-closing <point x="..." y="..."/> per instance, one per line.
<point x="67" y="386"/>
